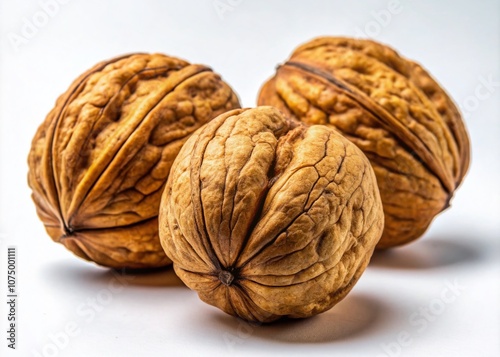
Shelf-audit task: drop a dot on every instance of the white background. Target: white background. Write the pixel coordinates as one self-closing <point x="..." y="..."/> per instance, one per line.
<point x="154" y="314"/>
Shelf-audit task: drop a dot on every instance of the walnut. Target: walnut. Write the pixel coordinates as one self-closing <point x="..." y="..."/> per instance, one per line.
<point x="393" y="110"/>
<point x="101" y="158"/>
<point x="266" y="217"/>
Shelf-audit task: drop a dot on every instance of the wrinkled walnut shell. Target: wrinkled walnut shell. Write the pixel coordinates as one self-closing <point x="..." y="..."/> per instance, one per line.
<point x="392" y="109"/>
<point x="100" y="160"/>
<point x="266" y="217"/>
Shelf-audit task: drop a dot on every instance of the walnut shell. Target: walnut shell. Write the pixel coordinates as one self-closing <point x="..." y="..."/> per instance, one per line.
<point x="393" y="110"/>
<point x="266" y="217"/>
<point x="100" y="160"/>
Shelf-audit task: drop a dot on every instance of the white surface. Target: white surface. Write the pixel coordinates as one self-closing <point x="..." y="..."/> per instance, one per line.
<point x="153" y="315"/>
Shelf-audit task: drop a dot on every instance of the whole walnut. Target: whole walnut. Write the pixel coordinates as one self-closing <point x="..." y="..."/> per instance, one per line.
<point x="101" y="158"/>
<point x="266" y="217"/>
<point x="393" y="110"/>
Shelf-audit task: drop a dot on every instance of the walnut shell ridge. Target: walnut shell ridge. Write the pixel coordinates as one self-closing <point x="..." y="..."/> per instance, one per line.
<point x="393" y="110"/>
<point x="266" y="217"/>
<point x="101" y="158"/>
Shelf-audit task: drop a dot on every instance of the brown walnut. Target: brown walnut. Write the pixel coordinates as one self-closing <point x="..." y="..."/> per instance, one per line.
<point x="393" y="110"/>
<point x="266" y="217"/>
<point x="101" y="158"/>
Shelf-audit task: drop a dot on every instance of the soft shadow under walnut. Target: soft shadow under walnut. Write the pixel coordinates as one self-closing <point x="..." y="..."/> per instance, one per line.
<point x="356" y="316"/>
<point x="100" y="277"/>
<point x="432" y="253"/>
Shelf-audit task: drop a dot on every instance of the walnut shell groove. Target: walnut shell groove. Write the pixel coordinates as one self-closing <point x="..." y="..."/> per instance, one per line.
<point x="100" y="160"/>
<point x="266" y="217"/>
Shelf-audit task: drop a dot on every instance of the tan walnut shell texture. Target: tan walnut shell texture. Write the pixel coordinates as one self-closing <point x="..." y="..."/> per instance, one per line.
<point x="266" y="217"/>
<point x="101" y="158"/>
<point x="393" y="110"/>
